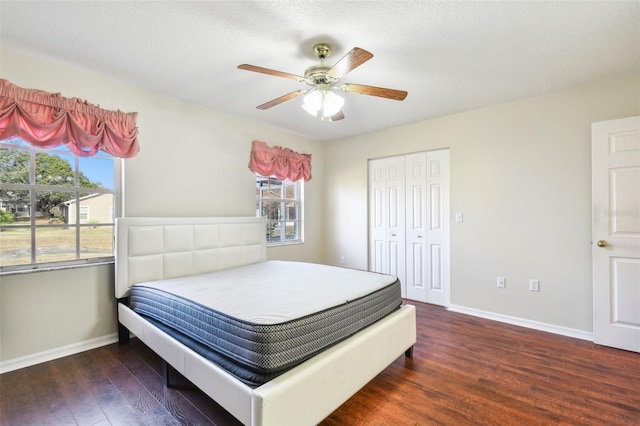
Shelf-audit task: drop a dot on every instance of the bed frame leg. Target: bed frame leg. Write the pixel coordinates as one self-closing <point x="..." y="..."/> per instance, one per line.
<point x="123" y="332"/>
<point x="166" y="373"/>
<point x="409" y="352"/>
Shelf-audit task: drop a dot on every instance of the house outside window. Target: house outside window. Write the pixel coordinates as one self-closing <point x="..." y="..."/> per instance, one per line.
<point x="57" y="209"/>
<point x="280" y="203"/>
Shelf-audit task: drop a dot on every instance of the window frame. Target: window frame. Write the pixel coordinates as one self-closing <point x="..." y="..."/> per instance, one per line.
<point x="298" y="200"/>
<point x="79" y="192"/>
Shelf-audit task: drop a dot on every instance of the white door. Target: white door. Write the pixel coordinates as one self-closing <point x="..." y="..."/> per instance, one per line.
<point x="395" y="212"/>
<point x="438" y="228"/>
<point x="427" y="227"/>
<point x="387" y="217"/>
<point x="377" y="220"/>
<point x="616" y="233"/>
<point x="416" y="226"/>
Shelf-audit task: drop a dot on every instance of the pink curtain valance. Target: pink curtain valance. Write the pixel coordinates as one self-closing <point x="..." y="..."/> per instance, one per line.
<point x="47" y="120"/>
<point x="280" y="162"/>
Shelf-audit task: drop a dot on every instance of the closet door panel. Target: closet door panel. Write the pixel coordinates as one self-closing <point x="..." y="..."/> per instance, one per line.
<point x="416" y="225"/>
<point x="395" y="218"/>
<point x="437" y="285"/>
<point x="377" y="223"/>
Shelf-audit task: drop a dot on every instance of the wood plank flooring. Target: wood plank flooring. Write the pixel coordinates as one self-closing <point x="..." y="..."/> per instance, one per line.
<point x="465" y="371"/>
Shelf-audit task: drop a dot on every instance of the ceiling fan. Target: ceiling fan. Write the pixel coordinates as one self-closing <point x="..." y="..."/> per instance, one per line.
<point x="324" y="80"/>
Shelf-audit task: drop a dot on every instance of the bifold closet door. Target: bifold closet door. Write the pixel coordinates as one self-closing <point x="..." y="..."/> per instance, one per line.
<point x="409" y="223"/>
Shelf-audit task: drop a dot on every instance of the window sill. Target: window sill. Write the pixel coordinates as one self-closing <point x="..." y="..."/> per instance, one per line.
<point x="284" y="244"/>
<point x="55" y="268"/>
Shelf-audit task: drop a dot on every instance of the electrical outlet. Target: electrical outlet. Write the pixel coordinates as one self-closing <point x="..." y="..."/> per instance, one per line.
<point x="342" y="260"/>
<point x="501" y="282"/>
<point x="534" y="285"/>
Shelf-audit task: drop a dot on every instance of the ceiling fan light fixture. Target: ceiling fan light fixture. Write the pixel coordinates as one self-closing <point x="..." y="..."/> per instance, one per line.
<point x="320" y="100"/>
<point x="322" y="104"/>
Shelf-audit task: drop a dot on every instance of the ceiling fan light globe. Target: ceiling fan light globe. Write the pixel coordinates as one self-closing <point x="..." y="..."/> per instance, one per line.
<point x="331" y="104"/>
<point x="310" y="109"/>
<point x="312" y="103"/>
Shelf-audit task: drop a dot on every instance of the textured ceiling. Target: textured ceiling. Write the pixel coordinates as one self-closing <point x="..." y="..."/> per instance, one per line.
<point x="449" y="56"/>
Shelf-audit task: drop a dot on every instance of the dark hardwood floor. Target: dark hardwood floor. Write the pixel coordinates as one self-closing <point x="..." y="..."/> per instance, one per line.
<point x="465" y="371"/>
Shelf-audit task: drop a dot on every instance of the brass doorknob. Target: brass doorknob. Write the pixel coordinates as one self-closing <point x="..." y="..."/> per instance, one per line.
<point x="601" y="243"/>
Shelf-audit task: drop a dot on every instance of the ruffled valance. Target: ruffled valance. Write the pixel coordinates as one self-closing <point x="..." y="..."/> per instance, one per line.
<point x="280" y="162"/>
<point x="47" y="120"/>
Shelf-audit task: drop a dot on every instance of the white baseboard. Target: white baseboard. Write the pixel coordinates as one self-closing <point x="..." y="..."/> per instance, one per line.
<point x="522" y="322"/>
<point x="37" y="358"/>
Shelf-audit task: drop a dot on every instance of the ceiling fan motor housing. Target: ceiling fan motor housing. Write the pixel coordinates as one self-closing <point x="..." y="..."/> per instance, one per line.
<point x="316" y="76"/>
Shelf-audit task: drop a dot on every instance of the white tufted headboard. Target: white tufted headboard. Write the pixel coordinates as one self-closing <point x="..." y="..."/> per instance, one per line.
<point x="156" y="248"/>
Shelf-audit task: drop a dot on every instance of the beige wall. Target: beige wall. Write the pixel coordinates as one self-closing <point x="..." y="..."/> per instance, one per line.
<point x="47" y="310"/>
<point x="521" y="174"/>
<point x="192" y="161"/>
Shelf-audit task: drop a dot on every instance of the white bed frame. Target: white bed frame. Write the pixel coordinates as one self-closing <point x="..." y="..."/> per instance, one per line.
<point x="158" y="248"/>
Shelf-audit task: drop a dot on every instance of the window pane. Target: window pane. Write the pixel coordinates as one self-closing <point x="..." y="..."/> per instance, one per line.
<point x="290" y="190"/>
<point x="16" y="244"/>
<point x="97" y="172"/>
<point x="275" y="231"/>
<point x="54" y="169"/>
<point x="291" y="210"/>
<point x="291" y="230"/>
<point x="271" y="210"/>
<point x="275" y="191"/>
<point x="96" y="241"/>
<point x="16" y="202"/>
<point x="14" y="165"/>
<point x="55" y="243"/>
<point x="51" y="206"/>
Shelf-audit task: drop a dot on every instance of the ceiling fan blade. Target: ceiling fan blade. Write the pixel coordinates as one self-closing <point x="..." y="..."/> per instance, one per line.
<point x="268" y="71"/>
<point x="397" y="95"/>
<point x="281" y="99"/>
<point x="349" y="62"/>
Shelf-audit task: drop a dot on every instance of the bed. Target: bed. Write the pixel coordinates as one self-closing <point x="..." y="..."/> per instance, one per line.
<point x="153" y="254"/>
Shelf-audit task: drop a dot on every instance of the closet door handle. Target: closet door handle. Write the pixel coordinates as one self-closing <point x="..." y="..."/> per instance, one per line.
<point x="393" y="235"/>
<point x="419" y="236"/>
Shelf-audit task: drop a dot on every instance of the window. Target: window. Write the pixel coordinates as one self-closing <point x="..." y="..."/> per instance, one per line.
<point x="56" y="208"/>
<point x="280" y="203"/>
<point x="84" y="214"/>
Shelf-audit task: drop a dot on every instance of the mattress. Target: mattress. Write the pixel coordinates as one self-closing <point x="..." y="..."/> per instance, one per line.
<point x="258" y="321"/>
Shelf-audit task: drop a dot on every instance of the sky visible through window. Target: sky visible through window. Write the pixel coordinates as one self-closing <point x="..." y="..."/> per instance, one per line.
<point x="98" y="169"/>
